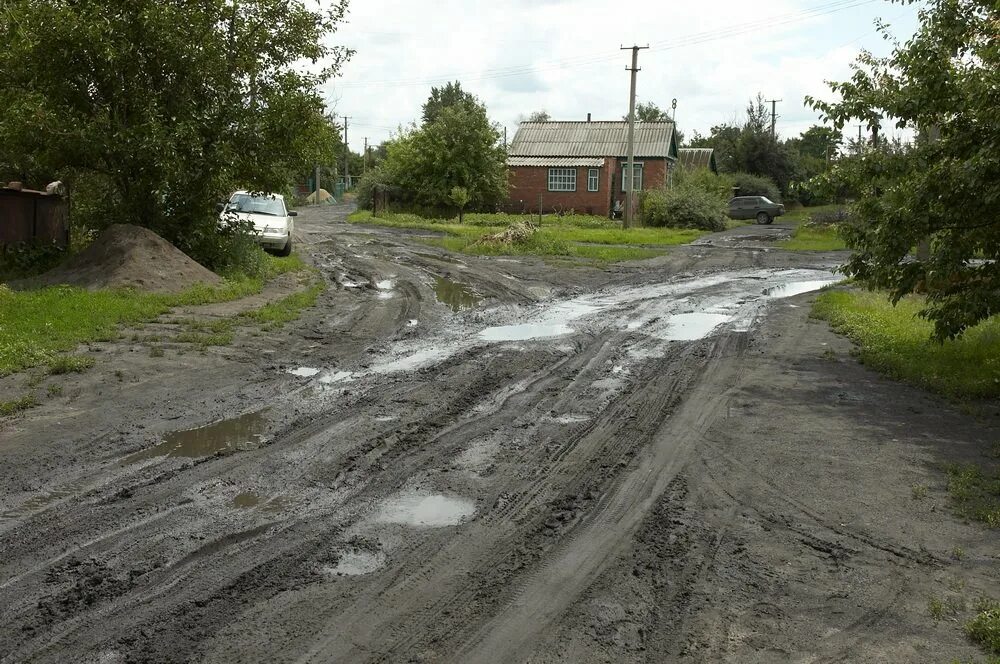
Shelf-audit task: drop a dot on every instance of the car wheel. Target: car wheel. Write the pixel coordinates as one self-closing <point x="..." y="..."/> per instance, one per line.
<point x="763" y="218"/>
<point x="287" y="249"/>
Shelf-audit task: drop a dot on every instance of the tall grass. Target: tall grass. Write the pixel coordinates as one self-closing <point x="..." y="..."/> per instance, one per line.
<point x="896" y="341"/>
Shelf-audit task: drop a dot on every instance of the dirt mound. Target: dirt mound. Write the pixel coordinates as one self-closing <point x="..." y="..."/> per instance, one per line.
<point x="126" y="256"/>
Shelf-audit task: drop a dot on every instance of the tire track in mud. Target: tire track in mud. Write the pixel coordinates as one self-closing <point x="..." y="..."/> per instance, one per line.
<point x="579" y="560"/>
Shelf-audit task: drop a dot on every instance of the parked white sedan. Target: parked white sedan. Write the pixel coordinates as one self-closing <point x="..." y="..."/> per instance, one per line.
<point x="271" y="220"/>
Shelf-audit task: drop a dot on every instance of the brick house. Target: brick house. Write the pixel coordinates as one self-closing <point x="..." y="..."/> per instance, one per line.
<point x="580" y="166"/>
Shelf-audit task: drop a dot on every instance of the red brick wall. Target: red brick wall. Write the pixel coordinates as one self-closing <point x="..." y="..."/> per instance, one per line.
<point x="527" y="182"/>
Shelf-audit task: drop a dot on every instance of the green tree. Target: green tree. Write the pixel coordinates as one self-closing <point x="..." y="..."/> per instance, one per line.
<point x="942" y="193"/>
<point x="460" y="148"/>
<point x="164" y="105"/>
<point x="649" y="112"/>
<point x="539" y="116"/>
<point x="451" y="94"/>
<point x="818" y="141"/>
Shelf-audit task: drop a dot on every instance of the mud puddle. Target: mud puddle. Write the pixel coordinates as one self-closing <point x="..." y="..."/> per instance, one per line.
<point x="304" y="372"/>
<point x="456" y="295"/>
<point x="357" y="562"/>
<point x="41" y="501"/>
<point x="245" y="431"/>
<point x="689" y="327"/>
<point x="249" y="500"/>
<point x="554" y="323"/>
<point x="427" y="510"/>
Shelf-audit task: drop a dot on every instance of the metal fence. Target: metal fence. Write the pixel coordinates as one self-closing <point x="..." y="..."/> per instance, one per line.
<point x="32" y="217"/>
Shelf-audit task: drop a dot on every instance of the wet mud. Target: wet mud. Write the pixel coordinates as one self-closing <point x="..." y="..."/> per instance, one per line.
<point x="475" y="459"/>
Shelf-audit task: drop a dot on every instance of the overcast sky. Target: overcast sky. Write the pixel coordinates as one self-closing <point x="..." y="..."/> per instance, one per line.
<point x="563" y="56"/>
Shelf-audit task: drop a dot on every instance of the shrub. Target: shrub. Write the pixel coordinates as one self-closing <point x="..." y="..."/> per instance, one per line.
<point x="683" y="207"/>
<point x="829" y="217"/>
<point x="756" y="185"/>
<point x="720" y="186"/>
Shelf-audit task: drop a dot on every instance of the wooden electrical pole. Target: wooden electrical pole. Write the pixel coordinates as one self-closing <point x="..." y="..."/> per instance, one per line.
<point x="347" y="153"/>
<point x="774" y="116"/>
<point x="365" y="171"/>
<point x="630" y="164"/>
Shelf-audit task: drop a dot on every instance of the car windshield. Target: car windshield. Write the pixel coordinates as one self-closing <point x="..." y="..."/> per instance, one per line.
<point x="765" y="200"/>
<point x="257" y="205"/>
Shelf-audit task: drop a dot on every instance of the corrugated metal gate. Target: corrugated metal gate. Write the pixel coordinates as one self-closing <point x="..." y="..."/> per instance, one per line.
<point x="34" y="217"/>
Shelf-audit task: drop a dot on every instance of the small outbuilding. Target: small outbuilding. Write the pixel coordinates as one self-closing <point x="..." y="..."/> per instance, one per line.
<point x="580" y="166"/>
<point x="691" y="158"/>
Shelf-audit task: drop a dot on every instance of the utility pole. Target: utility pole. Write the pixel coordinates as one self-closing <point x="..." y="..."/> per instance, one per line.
<point x="774" y="115"/>
<point x="347" y="152"/>
<point x="365" y="172"/>
<point x="630" y="164"/>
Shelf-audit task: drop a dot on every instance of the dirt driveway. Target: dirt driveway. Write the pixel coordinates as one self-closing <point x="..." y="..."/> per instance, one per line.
<point x="459" y="459"/>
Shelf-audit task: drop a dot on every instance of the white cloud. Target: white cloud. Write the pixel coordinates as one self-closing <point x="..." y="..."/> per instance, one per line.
<point x="563" y="56"/>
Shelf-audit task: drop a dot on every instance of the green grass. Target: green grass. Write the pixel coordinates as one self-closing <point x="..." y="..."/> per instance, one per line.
<point x="984" y="629"/>
<point x="975" y="492"/>
<point x="278" y="313"/>
<point x="895" y="341"/>
<point x="567" y="235"/>
<point x="802" y="214"/>
<point x="17" y="405"/>
<point x="205" y="339"/>
<point x="814" y="238"/>
<point x="37" y="325"/>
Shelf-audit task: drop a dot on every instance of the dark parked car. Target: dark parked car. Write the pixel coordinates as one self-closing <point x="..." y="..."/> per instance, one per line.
<point x="755" y="207"/>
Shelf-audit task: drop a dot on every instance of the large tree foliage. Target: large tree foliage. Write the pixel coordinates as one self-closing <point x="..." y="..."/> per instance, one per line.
<point x="164" y="104"/>
<point x="943" y="193"/>
<point x="459" y="148"/>
<point x="451" y="94"/>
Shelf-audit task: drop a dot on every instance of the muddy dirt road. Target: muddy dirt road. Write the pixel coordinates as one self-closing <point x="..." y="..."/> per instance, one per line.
<point x="454" y="459"/>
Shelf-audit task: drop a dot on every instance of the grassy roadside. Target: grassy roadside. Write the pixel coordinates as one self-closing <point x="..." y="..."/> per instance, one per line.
<point x="895" y="341"/>
<point x="569" y="235"/>
<point x="812" y="237"/>
<point x="39" y="325"/>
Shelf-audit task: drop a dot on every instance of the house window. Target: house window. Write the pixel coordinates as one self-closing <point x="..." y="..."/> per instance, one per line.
<point x="593" y="177"/>
<point x="636" y="178"/>
<point x="562" y="179"/>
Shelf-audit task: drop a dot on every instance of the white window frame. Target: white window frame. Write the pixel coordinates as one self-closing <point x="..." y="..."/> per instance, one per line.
<point x="562" y="179"/>
<point x="636" y="166"/>
<point x="593" y="179"/>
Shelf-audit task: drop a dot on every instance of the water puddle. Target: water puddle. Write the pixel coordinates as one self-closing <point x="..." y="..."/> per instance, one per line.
<point x="797" y="288"/>
<point x="455" y="295"/>
<point x="385" y="284"/>
<point x="357" y="562"/>
<point x="304" y="372"/>
<point x="689" y="327"/>
<point x="243" y="432"/>
<point x="553" y="325"/>
<point x="337" y="377"/>
<point x="416" y="360"/>
<point x="413" y="322"/>
<point x="246" y="500"/>
<point x="434" y="511"/>
<point x="571" y="418"/>
<point x="250" y="500"/>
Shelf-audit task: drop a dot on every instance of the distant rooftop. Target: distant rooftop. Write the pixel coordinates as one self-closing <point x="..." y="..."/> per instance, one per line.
<point x="592" y="139"/>
<point x="697" y="158"/>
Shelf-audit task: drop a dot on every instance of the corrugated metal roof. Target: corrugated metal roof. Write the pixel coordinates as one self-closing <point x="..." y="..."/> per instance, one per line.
<point x="592" y="162"/>
<point x="592" y="139"/>
<point x="697" y="157"/>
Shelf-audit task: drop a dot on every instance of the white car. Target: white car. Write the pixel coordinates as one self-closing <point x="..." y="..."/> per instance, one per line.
<point x="271" y="220"/>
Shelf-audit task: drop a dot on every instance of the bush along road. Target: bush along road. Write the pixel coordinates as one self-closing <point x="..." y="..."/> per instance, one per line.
<point x="461" y="458"/>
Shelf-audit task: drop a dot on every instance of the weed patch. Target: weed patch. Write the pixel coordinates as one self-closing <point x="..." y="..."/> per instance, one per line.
<point x="984" y="629"/>
<point x="63" y="364"/>
<point x="896" y="341"/>
<point x="285" y="310"/>
<point x="15" y="406"/>
<point x="976" y="493"/>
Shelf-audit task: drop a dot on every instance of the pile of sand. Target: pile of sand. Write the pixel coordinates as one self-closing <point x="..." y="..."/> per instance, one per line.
<point x="323" y="197"/>
<point x="126" y="256"/>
